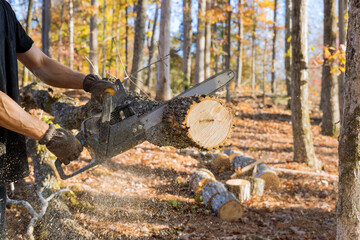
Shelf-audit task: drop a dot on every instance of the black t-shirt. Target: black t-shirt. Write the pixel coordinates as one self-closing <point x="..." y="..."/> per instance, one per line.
<point x="13" y="39"/>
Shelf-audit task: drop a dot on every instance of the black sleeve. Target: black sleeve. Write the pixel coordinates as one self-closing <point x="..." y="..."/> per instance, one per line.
<point x="23" y="41"/>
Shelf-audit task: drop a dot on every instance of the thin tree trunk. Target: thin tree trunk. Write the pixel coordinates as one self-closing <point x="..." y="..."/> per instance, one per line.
<point x="253" y="58"/>
<point x="330" y="107"/>
<point x="139" y="40"/>
<point x="93" y="55"/>
<point x="71" y="33"/>
<point x="126" y="42"/>
<point x="200" y="44"/>
<point x="273" y="51"/>
<point x="264" y="72"/>
<point x="228" y="50"/>
<point x="60" y="30"/>
<point x="288" y="50"/>
<point x="113" y="37"/>
<point x="342" y="41"/>
<point x="46" y="23"/>
<point x="104" y="41"/>
<point x="187" y="32"/>
<point x="216" y="55"/>
<point x="27" y="29"/>
<point x="239" y="46"/>
<point x="303" y="143"/>
<point x="348" y="205"/>
<point x="163" y="90"/>
<point x="151" y="48"/>
<point x="207" y="52"/>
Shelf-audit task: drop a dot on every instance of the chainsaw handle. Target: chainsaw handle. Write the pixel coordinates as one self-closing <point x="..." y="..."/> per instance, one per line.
<point x="65" y="176"/>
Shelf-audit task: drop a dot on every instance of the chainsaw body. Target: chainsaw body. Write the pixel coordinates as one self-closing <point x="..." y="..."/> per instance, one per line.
<point x="118" y="128"/>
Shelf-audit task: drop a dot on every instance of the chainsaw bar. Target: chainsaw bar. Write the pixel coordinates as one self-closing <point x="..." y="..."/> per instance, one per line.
<point x="207" y="87"/>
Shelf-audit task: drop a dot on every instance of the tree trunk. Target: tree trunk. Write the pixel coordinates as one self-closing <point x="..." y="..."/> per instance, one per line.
<point x="163" y="90"/>
<point x="227" y="206"/>
<point x="239" y="46"/>
<point x="46" y="24"/>
<point x="187" y="32"/>
<point x="303" y="143"/>
<point x="331" y="115"/>
<point x="200" y="44"/>
<point x="71" y="33"/>
<point x="273" y="50"/>
<point x="209" y="191"/>
<point x="139" y="39"/>
<point x="60" y="30"/>
<point x="104" y="41"/>
<point x="93" y="44"/>
<point x="207" y="52"/>
<point x="27" y="29"/>
<point x="288" y="50"/>
<point x="126" y="39"/>
<point x="343" y="4"/>
<point x="199" y="179"/>
<point x="151" y="48"/>
<point x="228" y="50"/>
<point x="253" y="56"/>
<point x="264" y="72"/>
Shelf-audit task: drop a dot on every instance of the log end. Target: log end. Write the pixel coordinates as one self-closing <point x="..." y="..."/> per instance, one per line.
<point x="221" y="163"/>
<point x="231" y="211"/>
<point x="271" y="180"/>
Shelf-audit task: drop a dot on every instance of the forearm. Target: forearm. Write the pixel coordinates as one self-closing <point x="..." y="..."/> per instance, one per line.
<point x="14" y="118"/>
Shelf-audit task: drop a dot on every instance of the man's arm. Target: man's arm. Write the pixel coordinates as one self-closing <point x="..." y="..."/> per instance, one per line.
<point x="14" y="118"/>
<point x="50" y="71"/>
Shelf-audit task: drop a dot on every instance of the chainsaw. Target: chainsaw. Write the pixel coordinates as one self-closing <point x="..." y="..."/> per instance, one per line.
<point x="117" y="128"/>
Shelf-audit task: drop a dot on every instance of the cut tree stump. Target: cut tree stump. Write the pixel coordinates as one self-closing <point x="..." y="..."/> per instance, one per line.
<point x="263" y="170"/>
<point x="227" y="206"/>
<point x="240" y="187"/>
<point x="199" y="179"/>
<point x="221" y="163"/>
<point x="210" y="190"/>
<point x="257" y="186"/>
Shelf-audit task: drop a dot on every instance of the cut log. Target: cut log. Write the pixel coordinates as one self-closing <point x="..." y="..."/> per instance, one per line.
<point x="240" y="187"/>
<point x="221" y="163"/>
<point x="257" y="186"/>
<point x="227" y="206"/>
<point x="203" y="122"/>
<point x="199" y="179"/>
<point x="210" y="190"/>
<point x="264" y="171"/>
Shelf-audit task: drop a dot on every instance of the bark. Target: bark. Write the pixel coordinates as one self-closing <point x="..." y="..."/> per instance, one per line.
<point x="187" y="32"/>
<point x="215" y="46"/>
<point x="151" y="48"/>
<point x="71" y="33"/>
<point x="257" y="186"/>
<point x="210" y="190"/>
<point x="288" y="50"/>
<point x="264" y="73"/>
<point x="200" y="44"/>
<point x="104" y="41"/>
<point x="126" y="38"/>
<point x="303" y="143"/>
<point x="199" y="179"/>
<point x="93" y="44"/>
<point x="330" y="107"/>
<point x="46" y="24"/>
<point x="139" y="39"/>
<point x="227" y="206"/>
<point x="343" y="4"/>
<point x="239" y="62"/>
<point x="207" y="52"/>
<point x="27" y="29"/>
<point x="253" y="57"/>
<point x="113" y="35"/>
<point x="240" y="188"/>
<point x="273" y="50"/>
<point x="348" y="205"/>
<point x="163" y="90"/>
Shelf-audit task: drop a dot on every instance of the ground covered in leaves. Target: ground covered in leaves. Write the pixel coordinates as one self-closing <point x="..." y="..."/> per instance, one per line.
<point x="144" y="193"/>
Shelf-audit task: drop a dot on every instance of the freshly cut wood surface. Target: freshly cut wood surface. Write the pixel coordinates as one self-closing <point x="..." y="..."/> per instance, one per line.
<point x="257" y="186"/>
<point x="240" y="188"/>
<point x="227" y="206"/>
<point x="210" y="190"/>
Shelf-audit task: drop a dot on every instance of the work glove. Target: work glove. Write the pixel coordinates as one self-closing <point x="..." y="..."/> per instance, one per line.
<point x="62" y="144"/>
<point x="97" y="87"/>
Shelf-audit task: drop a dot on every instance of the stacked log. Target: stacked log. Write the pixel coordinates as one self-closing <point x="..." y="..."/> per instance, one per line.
<point x="215" y="196"/>
<point x="263" y="170"/>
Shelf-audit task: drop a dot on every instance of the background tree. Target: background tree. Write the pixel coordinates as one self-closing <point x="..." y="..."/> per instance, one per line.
<point x="200" y="44"/>
<point x="288" y="50"/>
<point x="163" y="90"/>
<point x="329" y="91"/>
<point x="71" y="33"/>
<point x="27" y="29"/>
<point x="93" y="44"/>
<point x="303" y="143"/>
<point x="273" y="75"/>
<point x="187" y="41"/>
<point x="343" y="5"/>
<point x="240" y="36"/>
<point x="348" y="205"/>
<point x="45" y="30"/>
<point x="139" y="40"/>
<point x="207" y="53"/>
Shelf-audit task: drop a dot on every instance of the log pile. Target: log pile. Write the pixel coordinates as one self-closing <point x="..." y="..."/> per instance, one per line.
<point x="215" y="196"/>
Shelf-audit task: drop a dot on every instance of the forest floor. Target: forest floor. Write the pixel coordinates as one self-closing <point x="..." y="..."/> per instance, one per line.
<point x="144" y="193"/>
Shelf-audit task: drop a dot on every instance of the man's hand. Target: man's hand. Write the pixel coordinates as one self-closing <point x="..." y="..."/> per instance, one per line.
<point x="62" y="144"/>
<point x="97" y="87"/>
